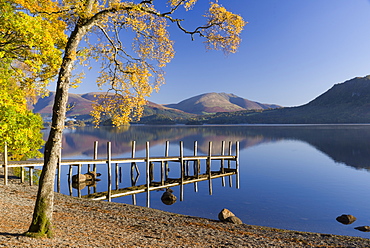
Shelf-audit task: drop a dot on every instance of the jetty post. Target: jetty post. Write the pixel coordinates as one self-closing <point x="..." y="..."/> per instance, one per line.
<point x="117" y="174"/>
<point x="147" y="175"/>
<point x="223" y="162"/>
<point x="6" y="163"/>
<point x="133" y="166"/>
<point x="70" y="180"/>
<point x="164" y="165"/>
<point x="209" y="170"/>
<point x="166" y="154"/>
<point x="162" y="173"/>
<point x="196" y="165"/>
<point x="229" y="163"/>
<point x="96" y="143"/>
<point x="22" y="174"/>
<point x="31" y="174"/>
<point x="79" y="169"/>
<point x="109" y="165"/>
<point x="133" y="150"/>
<point x="182" y="170"/>
<point x="59" y="167"/>
<point x="237" y="164"/>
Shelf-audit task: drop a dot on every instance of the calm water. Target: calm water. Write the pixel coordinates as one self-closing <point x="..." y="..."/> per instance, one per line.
<point x="291" y="177"/>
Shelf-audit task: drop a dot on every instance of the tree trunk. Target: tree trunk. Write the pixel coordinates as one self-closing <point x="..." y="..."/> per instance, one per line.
<point x="41" y="225"/>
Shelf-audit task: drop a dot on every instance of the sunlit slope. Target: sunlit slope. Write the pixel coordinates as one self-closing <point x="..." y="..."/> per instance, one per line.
<point x="347" y="102"/>
<point x="217" y="102"/>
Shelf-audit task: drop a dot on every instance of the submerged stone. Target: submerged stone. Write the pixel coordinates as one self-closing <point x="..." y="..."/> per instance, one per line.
<point x="363" y="228"/>
<point x="346" y="219"/>
<point x="168" y="198"/>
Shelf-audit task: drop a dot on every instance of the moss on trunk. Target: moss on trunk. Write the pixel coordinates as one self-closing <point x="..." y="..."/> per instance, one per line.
<point x="41" y="225"/>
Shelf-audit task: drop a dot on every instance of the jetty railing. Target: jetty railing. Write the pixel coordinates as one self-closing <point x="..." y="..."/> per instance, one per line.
<point x="149" y="161"/>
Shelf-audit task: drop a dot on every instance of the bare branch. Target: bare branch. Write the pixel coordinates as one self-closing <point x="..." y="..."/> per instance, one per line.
<point x="147" y="2"/>
<point x="166" y="15"/>
<point x="173" y="9"/>
<point x="196" y="31"/>
<point x="116" y="49"/>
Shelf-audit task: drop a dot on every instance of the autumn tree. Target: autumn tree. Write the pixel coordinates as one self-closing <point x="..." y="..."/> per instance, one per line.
<point x="19" y="127"/>
<point x="29" y="59"/>
<point x="132" y="42"/>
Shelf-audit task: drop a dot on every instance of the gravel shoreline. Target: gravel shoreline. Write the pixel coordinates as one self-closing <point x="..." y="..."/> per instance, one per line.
<point x="87" y="223"/>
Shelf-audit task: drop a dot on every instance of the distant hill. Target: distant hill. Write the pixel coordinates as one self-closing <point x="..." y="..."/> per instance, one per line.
<point x="81" y="106"/>
<point x="354" y="92"/>
<point x="247" y="104"/>
<point x="347" y="102"/>
<point x="217" y="102"/>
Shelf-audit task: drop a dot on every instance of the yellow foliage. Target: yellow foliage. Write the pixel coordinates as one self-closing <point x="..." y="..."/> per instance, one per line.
<point x="130" y="73"/>
<point x="224" y="29"/>
<point x="31" y="42"/>
<point x="188" y="4"/>
<point x="19" y="127"/>
<point x="129" y="39"/>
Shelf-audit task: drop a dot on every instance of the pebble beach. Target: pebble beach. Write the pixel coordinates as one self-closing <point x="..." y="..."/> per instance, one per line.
<point x="87" y="223"/>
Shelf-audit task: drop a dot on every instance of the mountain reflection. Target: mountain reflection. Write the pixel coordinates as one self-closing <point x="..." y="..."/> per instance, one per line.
<point x="348" y="144"/>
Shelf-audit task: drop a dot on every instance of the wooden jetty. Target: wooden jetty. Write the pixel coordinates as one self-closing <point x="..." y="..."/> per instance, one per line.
<point x="150" y="185"/>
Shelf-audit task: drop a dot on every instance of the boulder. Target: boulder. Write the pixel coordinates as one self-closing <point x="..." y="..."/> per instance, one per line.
<point x="90" y="176"/>
<point x="168" y="198"/>
<point x="79" y="178"/>
<point x="346" y="219"/>
<point x="234" y="220"/>
<point x="224" y="214"/>
<point x="363" y="228"/>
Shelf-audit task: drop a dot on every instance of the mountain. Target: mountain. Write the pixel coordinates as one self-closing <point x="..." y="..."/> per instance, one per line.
<point x="81" y="106"/>
<point x="247" y="104"/>
<point x="217" y="102"/>
<point x="354" y="92"/>
<point x="347" y="102"/>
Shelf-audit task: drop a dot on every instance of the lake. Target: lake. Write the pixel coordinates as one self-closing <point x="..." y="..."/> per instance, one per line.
<point x="297" y="177"/>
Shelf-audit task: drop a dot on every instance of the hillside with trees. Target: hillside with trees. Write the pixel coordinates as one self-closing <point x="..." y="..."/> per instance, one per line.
<point x="81" y="105"/>
<point x="347" y="102"/>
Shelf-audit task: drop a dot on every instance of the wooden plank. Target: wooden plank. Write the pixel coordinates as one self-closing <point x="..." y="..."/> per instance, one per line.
<point x="120" y="160"/>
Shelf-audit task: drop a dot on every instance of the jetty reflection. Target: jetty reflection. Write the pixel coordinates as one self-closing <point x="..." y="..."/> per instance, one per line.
<point x="346" y="144"/>
<point x="161" y="173"/>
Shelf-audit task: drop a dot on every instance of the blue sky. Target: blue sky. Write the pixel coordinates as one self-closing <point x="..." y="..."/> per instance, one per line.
<point x="292" y="51"/>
